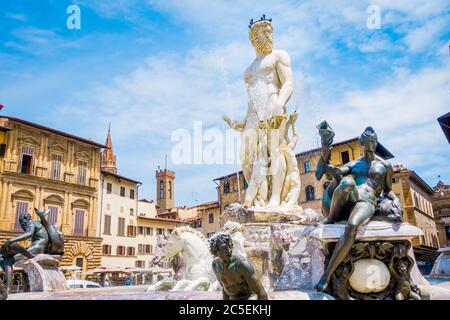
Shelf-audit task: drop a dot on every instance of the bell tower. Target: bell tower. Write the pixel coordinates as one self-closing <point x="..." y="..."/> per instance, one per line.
<point x="165" y="189"/>
<point x="108" y="162"/>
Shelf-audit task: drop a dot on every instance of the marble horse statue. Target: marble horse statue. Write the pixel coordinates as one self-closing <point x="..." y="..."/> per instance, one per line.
<point x="167" y="245"/>
<point x="196" y="275"/>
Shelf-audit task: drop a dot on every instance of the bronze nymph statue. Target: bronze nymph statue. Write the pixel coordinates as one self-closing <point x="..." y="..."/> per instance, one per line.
<point x="355" y="193"/>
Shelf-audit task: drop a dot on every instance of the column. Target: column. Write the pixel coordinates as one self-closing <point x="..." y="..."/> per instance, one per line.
<point x="4" y="223"/>
<point x="9" y="217"/>
<point x="36" y="202"/>
<point x="91" y="228"/>
<point x="66" y="227"/>
<point x="4" y="185"/>
<point x="41" y="199"/>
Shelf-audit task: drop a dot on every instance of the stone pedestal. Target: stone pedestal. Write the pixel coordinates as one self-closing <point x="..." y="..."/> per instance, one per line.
<point x="266" y="246"/>
<point x="365" y="273"/>
<point x="268" y="234"/>
<point x="43" y="273"/>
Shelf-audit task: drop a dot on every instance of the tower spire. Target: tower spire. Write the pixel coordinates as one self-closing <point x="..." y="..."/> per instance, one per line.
<point x="108" y="157"/>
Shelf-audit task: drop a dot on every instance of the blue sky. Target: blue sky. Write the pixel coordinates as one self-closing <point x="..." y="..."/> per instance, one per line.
<point x="152" y="67"/>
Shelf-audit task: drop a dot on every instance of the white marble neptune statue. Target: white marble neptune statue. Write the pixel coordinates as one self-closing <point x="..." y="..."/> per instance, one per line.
<point x="267" y="156"/>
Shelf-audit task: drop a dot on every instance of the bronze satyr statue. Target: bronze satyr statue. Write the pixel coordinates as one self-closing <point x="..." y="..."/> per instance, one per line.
<point x="236" y="275"/>
<point x="354" y="193"/>
<point x="400" y="270"/>
<point x="44" y="239"/>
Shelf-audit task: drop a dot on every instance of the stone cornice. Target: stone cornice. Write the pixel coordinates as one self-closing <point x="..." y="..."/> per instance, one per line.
<point x="42" y="182"/>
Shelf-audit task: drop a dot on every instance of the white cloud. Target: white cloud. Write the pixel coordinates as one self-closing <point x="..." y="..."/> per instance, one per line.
<point x="171" y="90"/>
<point x="421" y="37"/>
<point x="17" y="16"/>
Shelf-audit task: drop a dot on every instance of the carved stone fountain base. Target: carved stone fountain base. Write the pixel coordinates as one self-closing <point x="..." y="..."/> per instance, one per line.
<point x="43" y="273"/>
<point x="365" y="273"/>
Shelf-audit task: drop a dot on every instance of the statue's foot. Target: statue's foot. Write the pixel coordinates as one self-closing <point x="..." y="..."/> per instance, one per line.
<point x="273" y="203"/>
<point x="322" y="285"/>
<point x="326" y="221"/>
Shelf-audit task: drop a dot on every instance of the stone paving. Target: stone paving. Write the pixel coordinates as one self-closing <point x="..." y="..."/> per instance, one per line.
<point x="138" y="293"/>
<point x="439" y="291"/>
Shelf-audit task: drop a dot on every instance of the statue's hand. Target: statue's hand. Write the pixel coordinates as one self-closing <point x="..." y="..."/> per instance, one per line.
<point x="293" y="117"/>
<point x="7" y="244"/>
<point x="228" y="121"/>
<point x="334" y="171"/>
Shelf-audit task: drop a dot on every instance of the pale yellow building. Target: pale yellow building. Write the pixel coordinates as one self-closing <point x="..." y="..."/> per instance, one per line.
<point x="205" y="218"/>
<point x="149" y="226"/>
<point x="416" y="197"/>
<point x="44" y="168"/>
<point x="118" y="209"/>
<point x="441" y="208"/>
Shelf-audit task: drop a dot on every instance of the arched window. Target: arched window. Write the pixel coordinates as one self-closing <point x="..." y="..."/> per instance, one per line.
<point x="309" y="193"/>
<point x="170" y="189"/>
<point x="161" y="189"/>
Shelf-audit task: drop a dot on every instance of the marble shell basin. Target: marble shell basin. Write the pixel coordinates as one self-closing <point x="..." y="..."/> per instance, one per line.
<point x="369" y="276"/>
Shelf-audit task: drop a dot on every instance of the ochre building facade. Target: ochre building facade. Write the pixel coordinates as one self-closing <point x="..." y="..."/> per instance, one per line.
<point x="48" y="169"/>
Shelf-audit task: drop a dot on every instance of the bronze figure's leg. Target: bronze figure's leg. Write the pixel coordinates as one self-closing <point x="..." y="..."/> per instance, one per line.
<point x="344" y="193"/>
<point x="360" y="214"/>
<point x="413" y="295"/>
<point x="399" y="296"/>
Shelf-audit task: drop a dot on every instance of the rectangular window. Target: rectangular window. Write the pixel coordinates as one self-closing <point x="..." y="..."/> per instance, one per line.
<point x="82" y="169"/>
<point x="149" y="231"/>
<point x="131" y="251"/>
<point x="79" y="262"/>
<point x="140" y="249"/>
<point x="107" y="226"/>
<point x="121" y="227"/>
<point x="79" y="222"/>
<point x="131" y="194"/>
<point x="307" y="166"/>
<point x="26" y="160"/>
<point x="140" y="230"/>
<point x="148" y="249"/>
<point x="55" y="174"/>
<point x="106" y="249"/>
<point x="120" y="251"/>
<point x="131" y="231"/>
<point x="20" y="207"/>
<point x="211" y="218"/>
<point x="108" y="188"/>
<point x="140" y="264"/>
<point x="53" y="215"/>
<point x="131" y="212"/>
<point x="345" y="157"/>
<point x="159" y="231"/>
<point x="122" y="191"/>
